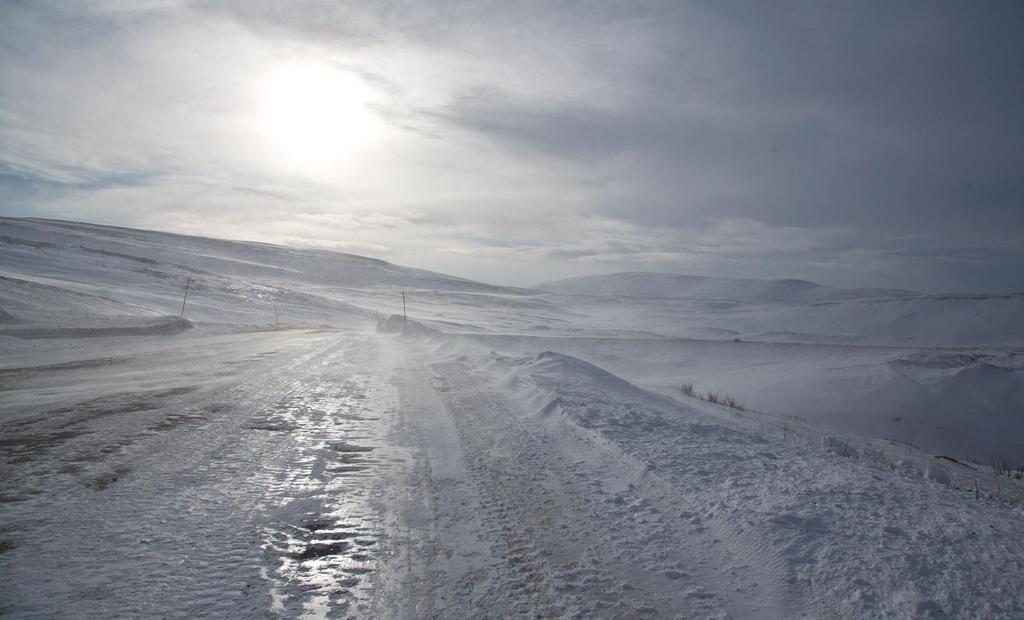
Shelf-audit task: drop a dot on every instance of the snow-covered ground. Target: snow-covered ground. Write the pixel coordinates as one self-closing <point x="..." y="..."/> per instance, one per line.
<point x="508" y="452"/>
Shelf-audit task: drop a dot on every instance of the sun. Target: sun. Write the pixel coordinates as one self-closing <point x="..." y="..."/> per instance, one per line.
<point x="313" y="116"/>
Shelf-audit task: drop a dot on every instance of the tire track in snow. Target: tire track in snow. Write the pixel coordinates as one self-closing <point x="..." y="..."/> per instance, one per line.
<point x="570" y="531"/>
<point x="689" y="466"/>
<point x="441" y="562"/>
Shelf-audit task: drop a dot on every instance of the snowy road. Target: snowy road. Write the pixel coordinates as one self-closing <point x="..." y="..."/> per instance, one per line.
<point x="332" y="474"/>
<point x="246" y="498"/>
<point x="352" y="477"/>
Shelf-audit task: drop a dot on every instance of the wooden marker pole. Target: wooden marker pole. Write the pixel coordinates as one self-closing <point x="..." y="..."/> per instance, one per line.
<point x="183" y="299"/>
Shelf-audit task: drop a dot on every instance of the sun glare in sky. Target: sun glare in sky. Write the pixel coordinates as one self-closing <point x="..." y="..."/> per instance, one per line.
<point x="314" y="116"/>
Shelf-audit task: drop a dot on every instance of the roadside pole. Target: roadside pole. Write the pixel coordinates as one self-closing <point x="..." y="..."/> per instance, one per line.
<point x="188" y="282"/>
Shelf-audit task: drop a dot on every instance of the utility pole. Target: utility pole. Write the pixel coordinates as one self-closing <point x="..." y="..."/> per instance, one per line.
<point x="275" y="316"/>
<point x="183" y="299"/>
<point x="405" y="317"/>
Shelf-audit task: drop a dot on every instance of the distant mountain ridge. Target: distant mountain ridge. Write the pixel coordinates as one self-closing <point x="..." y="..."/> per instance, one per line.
<point x="677" y="286"/>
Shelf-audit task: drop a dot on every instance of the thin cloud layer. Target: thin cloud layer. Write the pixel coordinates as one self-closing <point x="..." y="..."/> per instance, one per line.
<point x="850" y="143"/>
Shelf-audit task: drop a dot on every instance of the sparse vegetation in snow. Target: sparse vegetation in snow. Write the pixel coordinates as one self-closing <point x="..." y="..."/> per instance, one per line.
<point x="715" y="398"/>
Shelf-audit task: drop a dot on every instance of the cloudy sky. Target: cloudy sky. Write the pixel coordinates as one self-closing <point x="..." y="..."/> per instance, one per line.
<point x="851" y="143"/>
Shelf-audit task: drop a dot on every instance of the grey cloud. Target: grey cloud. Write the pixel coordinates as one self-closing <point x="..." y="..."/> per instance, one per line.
<point x="867" y="142"/>
<point x="890" y="119"/>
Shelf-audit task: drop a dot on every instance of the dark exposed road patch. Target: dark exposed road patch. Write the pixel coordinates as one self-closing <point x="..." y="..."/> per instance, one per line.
<point x="106" y="479"/>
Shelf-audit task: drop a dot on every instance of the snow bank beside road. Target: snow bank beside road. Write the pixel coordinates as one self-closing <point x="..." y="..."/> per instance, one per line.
<point x="965" y="403"/>
<point x="121" y="326"/>
<point x="826" y="533"/>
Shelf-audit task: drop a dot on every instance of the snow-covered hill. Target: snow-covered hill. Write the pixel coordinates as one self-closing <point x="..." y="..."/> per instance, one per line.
<point x="55" y="272"/>
<point x="670" y="285"/>
<point x="793" y="310"/>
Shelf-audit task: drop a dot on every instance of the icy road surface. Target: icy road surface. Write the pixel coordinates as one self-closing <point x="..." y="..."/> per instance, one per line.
<point x="343" y="479"/>
<point x="333" y="474"/>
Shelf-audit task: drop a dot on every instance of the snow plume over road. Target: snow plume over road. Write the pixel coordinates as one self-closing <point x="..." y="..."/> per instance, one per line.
<point x="502" y="453"/>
